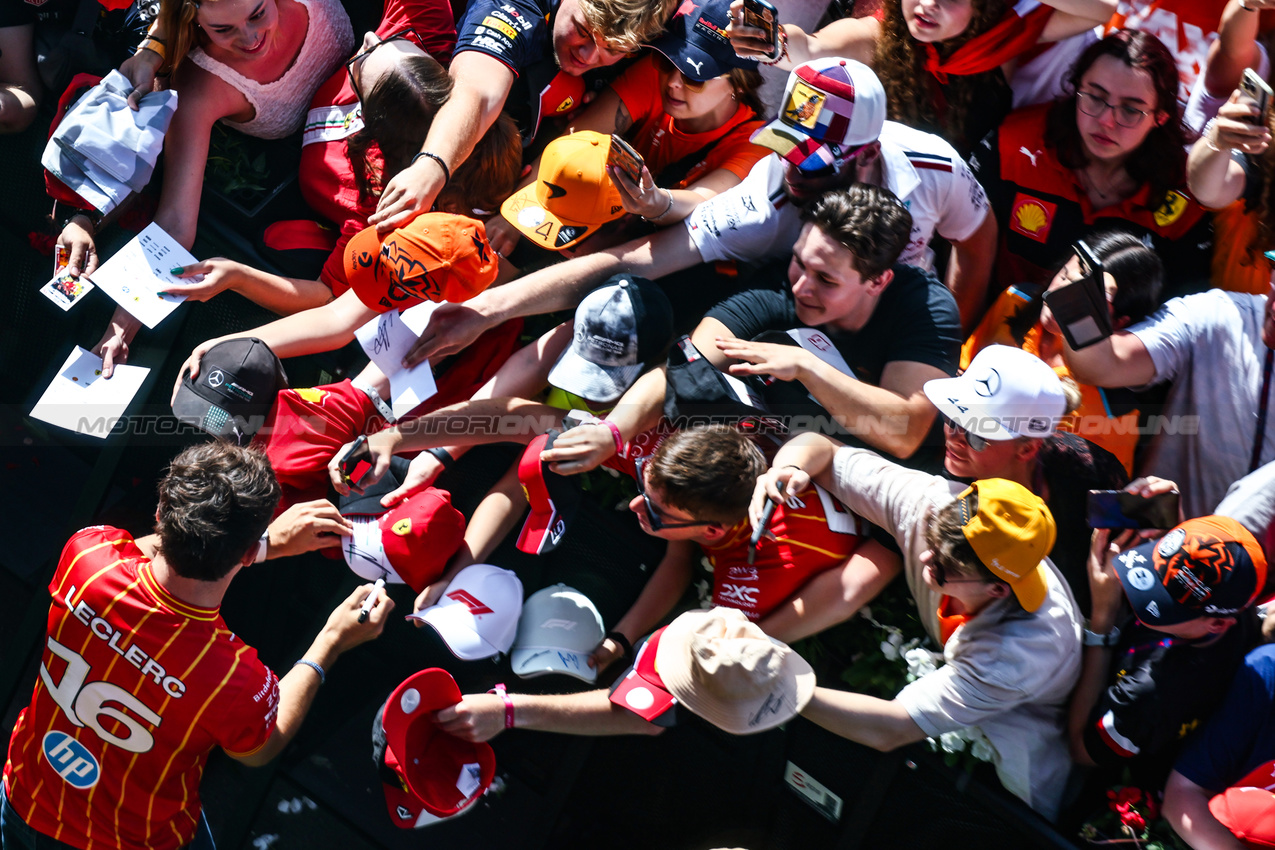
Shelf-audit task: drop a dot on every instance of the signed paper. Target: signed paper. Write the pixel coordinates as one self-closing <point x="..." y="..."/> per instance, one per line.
<point x="134" y="276"/>
<point x="387" y="339"/>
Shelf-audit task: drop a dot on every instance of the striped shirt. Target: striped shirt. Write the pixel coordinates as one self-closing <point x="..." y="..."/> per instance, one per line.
<point x="135" y="688"/>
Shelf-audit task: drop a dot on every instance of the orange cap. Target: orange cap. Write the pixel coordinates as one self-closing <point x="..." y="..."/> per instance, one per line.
<point x="1011" y="532"/>
<point x="436" y="257"/>
<point x="572" y="196"/>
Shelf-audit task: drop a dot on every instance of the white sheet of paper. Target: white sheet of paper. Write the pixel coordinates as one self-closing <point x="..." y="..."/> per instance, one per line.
<point x="135" y="274"/>
<point x="80" y="399"/>
<point x="386" y="339"/>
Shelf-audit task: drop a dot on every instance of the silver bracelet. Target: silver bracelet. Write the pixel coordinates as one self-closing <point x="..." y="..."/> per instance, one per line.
<point x="314" y="665"/>
<point x="656" y="218"/>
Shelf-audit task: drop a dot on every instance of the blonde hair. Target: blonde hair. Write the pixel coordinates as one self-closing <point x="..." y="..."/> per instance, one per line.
<point x="627" y="24"/>
<point x="1071" y="391"/>
<point x="176" y="19"/>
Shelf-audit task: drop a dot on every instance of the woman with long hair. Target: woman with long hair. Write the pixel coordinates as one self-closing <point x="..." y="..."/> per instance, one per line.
<point x="948" y="66"/>
<point x="1109" y="155"/>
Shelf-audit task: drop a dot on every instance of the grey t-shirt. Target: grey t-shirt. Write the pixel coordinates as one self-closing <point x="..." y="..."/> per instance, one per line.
<point x="1210" y="346"/>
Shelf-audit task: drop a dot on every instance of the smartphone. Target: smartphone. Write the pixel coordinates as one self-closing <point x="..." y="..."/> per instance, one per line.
<point x="1118" y="509"/>
<point x="355" y="463"/>
<point x="1080" y="307"/>
<point x="754" y="16"/>
<point x="624" y="157"/>
<point x="1255" y="89"/>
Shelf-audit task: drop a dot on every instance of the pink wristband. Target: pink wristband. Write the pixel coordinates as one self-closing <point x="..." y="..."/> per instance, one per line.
<point x="499" y="690"/>
<point x="615" y="432"/>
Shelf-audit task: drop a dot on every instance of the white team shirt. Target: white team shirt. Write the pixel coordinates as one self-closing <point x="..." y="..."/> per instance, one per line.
<point x="755" y="220"/>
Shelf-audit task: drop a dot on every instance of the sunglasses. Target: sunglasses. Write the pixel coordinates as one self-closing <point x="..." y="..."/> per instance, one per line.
<point x="974" y="441"/>
<point x="939" y="572"/>
<point x="665" y="66"/>
<point x="657" y="522"/>
<point x="356" y="61"/>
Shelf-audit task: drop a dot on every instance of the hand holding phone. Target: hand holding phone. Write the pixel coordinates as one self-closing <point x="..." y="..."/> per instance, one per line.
<point x="1255" y="90"/>
<point x="1080" y="307"/>
<point x="626" y="159"/>
<point x="1121" y="509"/>
<point x="756" y="16"/>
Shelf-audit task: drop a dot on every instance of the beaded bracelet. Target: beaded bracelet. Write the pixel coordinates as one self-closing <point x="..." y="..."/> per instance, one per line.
<point x="783" y="50"/>
<point x="323" y="677"/>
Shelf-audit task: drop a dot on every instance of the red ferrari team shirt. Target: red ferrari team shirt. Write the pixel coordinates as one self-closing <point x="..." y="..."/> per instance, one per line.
<point x="135" y="688"/>
<point x="814" y="532"/>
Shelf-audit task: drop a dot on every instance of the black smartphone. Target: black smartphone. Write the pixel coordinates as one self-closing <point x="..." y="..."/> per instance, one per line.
<point x="1118" y="509"/>
<point x="1080" y="307"/>
<point x="356" y="462"/>
<point x="1255" y="89"/>
<point x="624" y="157"/>
<point x="754" y="16"/>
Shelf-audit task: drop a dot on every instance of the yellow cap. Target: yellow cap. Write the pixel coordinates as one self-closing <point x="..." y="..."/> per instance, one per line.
<point x="1012" y="532"/>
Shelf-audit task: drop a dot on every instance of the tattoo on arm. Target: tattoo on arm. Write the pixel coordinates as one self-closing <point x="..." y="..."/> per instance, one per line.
<point x="623" y="120"/>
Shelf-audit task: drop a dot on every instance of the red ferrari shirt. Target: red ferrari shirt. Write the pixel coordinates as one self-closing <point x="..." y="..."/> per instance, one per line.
<point x="135" y="688"/>
<point x="326" y="177"/>
<point x="814" y="533"/>
<point x="1043" y="210"/>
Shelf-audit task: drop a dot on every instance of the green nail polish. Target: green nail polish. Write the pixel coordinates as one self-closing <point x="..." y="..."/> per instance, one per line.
<point x="177" y="270"/>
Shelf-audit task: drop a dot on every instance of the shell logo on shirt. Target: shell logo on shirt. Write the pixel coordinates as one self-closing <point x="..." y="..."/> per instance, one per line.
<point x="312" y="395"/>
<point x="1171" y="210"/>
<point x="1031" y="217"/>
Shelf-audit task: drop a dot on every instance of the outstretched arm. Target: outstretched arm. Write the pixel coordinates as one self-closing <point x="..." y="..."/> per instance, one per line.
<point x="480" y="84"/>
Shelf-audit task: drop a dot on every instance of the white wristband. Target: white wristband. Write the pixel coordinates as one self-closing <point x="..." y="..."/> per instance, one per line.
<point x="263" y="545"/>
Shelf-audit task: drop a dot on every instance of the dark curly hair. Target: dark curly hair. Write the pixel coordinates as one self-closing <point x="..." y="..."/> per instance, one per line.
<point x="215" y="502"/>
<point x="1160" y="161"/>
<point x="866" y="220"/>
<point x="912" y="93"/>
<point x="708" y="471"/>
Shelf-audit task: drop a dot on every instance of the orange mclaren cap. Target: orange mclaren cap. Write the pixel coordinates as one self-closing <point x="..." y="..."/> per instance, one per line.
<point x="572" y="196"/>
<point x="435" y="257"/>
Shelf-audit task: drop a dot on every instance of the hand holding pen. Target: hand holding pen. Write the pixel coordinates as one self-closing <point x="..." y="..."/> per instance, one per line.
<point x="370" y="602"/>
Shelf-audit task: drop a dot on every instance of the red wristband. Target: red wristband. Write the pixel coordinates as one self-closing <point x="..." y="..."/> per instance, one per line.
<point x="615" y="432"/>
<point x="499" y="690"/>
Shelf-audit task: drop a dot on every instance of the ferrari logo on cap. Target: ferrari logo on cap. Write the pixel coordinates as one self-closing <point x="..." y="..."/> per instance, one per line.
<point x="403" y="527"/>
<point x="566" y="104"/>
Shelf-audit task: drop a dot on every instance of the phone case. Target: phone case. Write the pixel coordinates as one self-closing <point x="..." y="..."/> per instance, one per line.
<point x="1118" y="509"/>
<point x="1256" y="89"/>
<point x="753" y="17"/>
<point x="624" y="157"/>
<point x="1080" y="309"/>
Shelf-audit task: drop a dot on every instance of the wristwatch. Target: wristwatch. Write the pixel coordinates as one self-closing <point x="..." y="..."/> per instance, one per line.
<point x="1095" y="639"/>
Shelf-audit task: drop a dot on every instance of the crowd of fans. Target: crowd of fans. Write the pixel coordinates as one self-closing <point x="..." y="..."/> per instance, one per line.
<point x="830" y="340"/>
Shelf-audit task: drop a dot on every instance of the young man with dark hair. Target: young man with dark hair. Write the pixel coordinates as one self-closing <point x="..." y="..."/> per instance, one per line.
<point x="694" y="492"/>
<point x="892" y="327"/>
<point x="140" y="678"/>
<point x="975" y="562"/>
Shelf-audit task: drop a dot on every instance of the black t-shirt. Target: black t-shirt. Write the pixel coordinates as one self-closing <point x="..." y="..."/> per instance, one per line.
<point x="15" y="13"/>
<point x="1072" y="466"/>
<point x="1164" y="688"/>
<point x="916" y="319"/>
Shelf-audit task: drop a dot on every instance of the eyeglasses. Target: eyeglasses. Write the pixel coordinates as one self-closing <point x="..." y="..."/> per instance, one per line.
<point x="939" y="572"/>
<point x="974" y="441"/>
<point x="656" y="521"/>
<point x="355" y="61"/>
<point x="1093" y="106"/>
<point x="665" y="66"/>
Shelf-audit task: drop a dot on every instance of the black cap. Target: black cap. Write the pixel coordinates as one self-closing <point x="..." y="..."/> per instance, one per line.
<point x="237" y="384"/>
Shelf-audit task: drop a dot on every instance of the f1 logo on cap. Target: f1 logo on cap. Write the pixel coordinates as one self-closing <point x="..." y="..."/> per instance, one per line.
<point x="475" y="606"/>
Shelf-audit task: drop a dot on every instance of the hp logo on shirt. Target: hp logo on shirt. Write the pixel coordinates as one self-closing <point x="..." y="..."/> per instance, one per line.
<point x="71" y="759"/>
